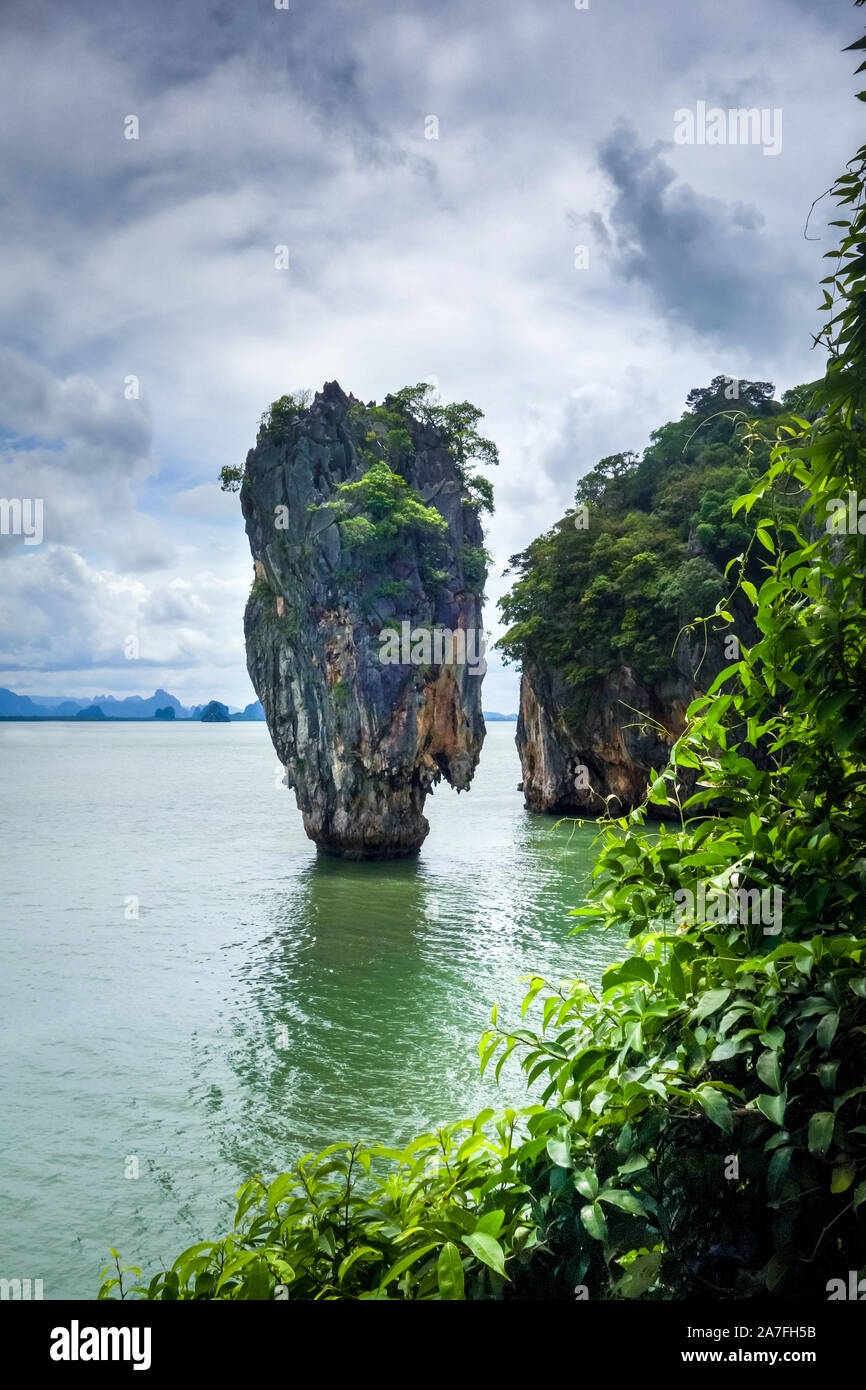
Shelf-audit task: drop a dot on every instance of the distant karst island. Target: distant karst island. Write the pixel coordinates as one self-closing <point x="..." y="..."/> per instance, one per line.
<point x="160" y="706"/>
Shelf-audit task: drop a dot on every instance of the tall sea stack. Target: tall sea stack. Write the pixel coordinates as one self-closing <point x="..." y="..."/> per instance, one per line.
<point x="363" y="627"/>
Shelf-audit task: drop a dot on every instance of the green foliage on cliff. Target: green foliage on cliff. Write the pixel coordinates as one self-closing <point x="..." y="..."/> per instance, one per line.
<point x="475" y="562"/>
<point x="264" y="600"/>
<point x="384" y="522"/>
<point x="231" y="476"/>
<point x="645" y="550"/>
<point x="392" y="510"/>
<point x="275" y="421"/>
<point x="394" y="430"/>
<point x="408" y="419"/>
<point x="702" y="1131"/>
<point x="261" y="591"/>
<point x="281" y="413"/>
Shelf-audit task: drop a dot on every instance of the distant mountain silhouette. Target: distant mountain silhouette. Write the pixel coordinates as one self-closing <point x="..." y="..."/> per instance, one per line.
<point x="21" y="705"/>
<point x="131" y="707"/>
<point x="135" y="707"/>
<point x="13" y="706"/>
<point x="251" y="712"/>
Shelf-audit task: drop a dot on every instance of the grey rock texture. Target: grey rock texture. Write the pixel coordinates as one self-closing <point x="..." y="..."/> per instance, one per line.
<point x="363" y="742"/>
<point x="623" y="738"/>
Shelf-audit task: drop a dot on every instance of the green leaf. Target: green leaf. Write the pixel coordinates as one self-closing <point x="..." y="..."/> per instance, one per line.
<point x="592" y="1217"/>
<point x="559" y="1152"/>
<point x="449" y="1273"/>
<point x="711" y="1000"/>
<point x="278" y="1189"/>
<point x="535" y="988"/>
<point x="406" y="1262"/>
<point x="826" y="1030"/>
<point x="678" y="984"/>
<point x="766" y="540"/>
<point x="639" y="1275"/>
<point x="773" y="1107"/>
<point x="636" y="968"/>
<point x="778" y="1168"/>
<point x="491" y="1223"/>
<point x="635" y="1164"/>
<point x="658" y="792"/>
<point x="626" y="1201"/>
<point x="768" y="1070"/>
<point x="716" y="1107"/>
<point x="777" y="1267"/>
<point x="587" y="1184"/>
<point x="488" y="1251"/>
<point x="361" y="1252"/>
<point x="257" y="1282"/>
<point x="723" y="676"/>
<point x="726" y="1050"/>
<point x="821" y="1132"/>
<point x="843" y="1176"/>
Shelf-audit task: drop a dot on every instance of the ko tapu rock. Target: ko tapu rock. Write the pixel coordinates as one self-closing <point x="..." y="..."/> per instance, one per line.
<point x="363" y="627"/>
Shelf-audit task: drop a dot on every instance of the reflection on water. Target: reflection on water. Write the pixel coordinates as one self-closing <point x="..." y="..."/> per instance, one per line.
<point x="267" y="1001"/>
<point x="366" y="993"/>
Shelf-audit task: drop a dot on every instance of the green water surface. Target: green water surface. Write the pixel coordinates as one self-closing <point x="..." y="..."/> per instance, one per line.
<point x="264" y="1001"/>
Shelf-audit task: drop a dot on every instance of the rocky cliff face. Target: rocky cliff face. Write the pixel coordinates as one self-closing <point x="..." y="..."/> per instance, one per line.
<point x="363" y="739"/>
<point x="620" y="741"/>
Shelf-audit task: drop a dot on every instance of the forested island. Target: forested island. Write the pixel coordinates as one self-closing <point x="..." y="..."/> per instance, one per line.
<point x="605" y="611"/>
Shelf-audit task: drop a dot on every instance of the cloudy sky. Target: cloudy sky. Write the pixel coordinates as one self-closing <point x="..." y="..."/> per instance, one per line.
<point x="409" y="257"/>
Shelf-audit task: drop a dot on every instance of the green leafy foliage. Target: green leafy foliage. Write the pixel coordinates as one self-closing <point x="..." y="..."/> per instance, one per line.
<point x="416" y="412"/>
<point x="616" y="581"/>
<point x="456" y="422"/>
<point x="274" y="423"/>
<point x="231" y="477"/>
<point x="281" y="413"/>
<point x="475" y="562"/>
<point x="431" y="1221"/>
<point x="384" y="522"/>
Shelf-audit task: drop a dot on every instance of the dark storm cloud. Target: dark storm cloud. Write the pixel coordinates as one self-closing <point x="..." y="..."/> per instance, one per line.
<point x="101" y="430"/>
<point x="706" y="263"/>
